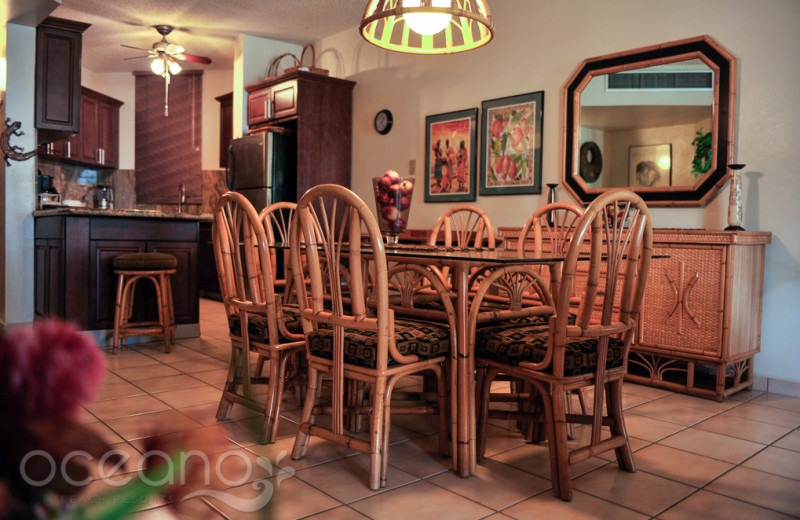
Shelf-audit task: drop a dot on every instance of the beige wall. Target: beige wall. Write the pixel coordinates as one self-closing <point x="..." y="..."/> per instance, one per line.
<point x="538" y="44"/>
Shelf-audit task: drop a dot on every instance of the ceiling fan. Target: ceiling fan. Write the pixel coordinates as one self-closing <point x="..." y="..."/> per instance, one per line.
<point x="168" y="52"/>
<point x="166" y="57"/>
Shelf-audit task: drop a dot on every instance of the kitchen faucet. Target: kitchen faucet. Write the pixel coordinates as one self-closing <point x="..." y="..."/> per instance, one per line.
<point x="181" y="197"/>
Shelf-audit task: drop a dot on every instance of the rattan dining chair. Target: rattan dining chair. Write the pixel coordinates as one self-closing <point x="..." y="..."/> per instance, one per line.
<point x="463" y="225"/>
<point x="349" y="343"/>
<point x="257" y="320"/>
<point x="558" y="357"/>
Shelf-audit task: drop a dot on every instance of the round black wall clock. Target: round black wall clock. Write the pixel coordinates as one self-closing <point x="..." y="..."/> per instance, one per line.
<point x="383" y="122"/>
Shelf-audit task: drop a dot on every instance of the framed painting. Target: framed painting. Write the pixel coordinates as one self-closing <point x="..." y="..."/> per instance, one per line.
<point x="511" y="144"/>
<point x="450" y="145"/>
<point x="650" y="166"/>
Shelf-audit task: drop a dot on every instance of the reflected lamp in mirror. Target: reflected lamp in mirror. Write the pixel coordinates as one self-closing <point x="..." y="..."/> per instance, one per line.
<point x="658" y="120"/>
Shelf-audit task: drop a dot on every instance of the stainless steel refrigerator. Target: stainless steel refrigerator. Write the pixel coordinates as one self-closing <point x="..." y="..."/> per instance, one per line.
<point x="263" y="168"/>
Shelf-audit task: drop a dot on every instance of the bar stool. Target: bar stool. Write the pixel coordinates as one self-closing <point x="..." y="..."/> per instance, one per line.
<point x="156" y="267"/>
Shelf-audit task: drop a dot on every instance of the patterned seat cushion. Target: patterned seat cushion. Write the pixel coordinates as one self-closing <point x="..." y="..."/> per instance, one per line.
<point x="258" y="327"/>
<point x="425" y="339"/>
<point x="513" y="343"/>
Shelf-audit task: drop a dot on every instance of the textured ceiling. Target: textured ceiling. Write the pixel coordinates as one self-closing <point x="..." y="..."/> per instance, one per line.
<point x="202" y="27"/>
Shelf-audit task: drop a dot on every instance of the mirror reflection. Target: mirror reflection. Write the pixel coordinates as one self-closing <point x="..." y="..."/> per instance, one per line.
<point x="647" y="127"/>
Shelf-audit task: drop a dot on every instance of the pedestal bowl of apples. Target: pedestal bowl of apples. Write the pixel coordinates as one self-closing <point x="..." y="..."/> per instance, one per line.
<point x="393" y="201"/>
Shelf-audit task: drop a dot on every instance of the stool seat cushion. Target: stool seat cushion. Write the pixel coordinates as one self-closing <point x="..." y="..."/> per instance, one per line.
<point x="144" y="261"/>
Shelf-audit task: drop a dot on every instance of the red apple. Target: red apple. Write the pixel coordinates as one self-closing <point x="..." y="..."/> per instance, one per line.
<point x="390" y="213"/>
<point x="393" y="176"/>
<point x="405" y="203"/>
<point x="406" y="187"/>
<point x="383" y="199"/>
<point x="384" y="183"/>
<point x="395" y="191"/>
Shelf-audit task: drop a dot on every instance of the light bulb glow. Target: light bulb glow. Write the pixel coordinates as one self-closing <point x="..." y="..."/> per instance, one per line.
<point x="664" y="162"/>
<point x="427" y="23"/>
<point x="157" y="66"/>
<point x="174" y="67"/>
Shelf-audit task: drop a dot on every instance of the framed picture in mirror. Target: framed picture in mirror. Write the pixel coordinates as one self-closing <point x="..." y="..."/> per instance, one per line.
<point x="650" y="166"/>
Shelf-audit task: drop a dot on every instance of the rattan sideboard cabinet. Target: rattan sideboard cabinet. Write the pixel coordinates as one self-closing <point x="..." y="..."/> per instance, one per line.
<point x="700" y="324"/>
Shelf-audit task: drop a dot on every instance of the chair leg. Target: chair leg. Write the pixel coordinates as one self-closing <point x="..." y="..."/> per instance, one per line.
<point x="118" y="311"/>
<point x="226" y="404"/>
<point x="444" y="423"/>
<point x="376" y="432"/>
<point x="483" y="410"/>
<point x="559" y="453"/>
<point x="614" y="404"/>
<point x="301" y="441"/>
<point x="272" y="413"/>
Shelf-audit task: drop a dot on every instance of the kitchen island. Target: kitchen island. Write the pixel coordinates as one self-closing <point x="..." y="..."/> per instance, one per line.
<point x="74" y="276"/>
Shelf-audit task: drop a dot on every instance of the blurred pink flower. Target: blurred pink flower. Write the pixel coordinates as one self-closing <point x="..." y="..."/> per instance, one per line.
<point x="48" y="370"/>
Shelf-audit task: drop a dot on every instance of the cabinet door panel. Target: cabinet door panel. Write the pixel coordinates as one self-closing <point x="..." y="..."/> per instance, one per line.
<point x="684" y="300"/>
<point x="284" y="99"/>
<point x="108" y="135"/>
<point x="184" y="281"/>
<point x="49" y="275"/>
<point x="87" y="151"/>
<point x="257" y="106"/>
<point x="103" y="281"/>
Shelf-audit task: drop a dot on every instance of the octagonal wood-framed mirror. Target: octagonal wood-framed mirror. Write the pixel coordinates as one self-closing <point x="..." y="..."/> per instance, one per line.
<point x="658" y="120"/>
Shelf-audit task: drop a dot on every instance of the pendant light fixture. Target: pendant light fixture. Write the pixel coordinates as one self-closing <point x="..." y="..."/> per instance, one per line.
<point x="427" y="26"/>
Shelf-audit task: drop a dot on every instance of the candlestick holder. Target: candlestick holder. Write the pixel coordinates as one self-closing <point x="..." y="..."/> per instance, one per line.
<point x="735" y="201"/>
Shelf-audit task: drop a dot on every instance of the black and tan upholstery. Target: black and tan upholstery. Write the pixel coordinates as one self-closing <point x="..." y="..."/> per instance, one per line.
<point x="612" y="242"/>
<point x="257" y="319"/>
<point x="352" y="331"/>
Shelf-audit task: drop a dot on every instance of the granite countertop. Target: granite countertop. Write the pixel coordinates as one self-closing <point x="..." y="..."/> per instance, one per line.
<point x="140" y="213"/>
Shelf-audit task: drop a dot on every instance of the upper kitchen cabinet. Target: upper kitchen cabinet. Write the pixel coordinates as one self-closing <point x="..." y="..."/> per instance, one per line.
<point x="225" y="126"/>
<point x="97" y="144"/>
<point x="317" y="110"/>
<point x="58" y="78"/>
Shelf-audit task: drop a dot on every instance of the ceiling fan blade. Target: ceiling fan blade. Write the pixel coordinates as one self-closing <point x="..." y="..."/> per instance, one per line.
<point x="132" y="47"/>
<point x="137" y="57"/>
<point x="197" y="59"/>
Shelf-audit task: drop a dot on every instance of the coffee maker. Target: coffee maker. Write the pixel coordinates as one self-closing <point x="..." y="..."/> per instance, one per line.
<point x="46" y="192"/>
<point x="104" y="197"/>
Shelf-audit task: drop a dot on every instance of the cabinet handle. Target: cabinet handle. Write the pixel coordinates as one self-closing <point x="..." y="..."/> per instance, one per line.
<point x="686" y="292"/>
<point x="69" y="149"/>
<point x="101" y="155"/>
<point x="268" y="108"/>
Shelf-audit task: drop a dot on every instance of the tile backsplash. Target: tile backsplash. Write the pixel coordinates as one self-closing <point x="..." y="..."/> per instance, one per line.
<point x="77" y="182"/>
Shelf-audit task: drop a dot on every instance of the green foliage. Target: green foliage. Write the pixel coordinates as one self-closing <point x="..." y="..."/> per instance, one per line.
<point x="702" y="153"/>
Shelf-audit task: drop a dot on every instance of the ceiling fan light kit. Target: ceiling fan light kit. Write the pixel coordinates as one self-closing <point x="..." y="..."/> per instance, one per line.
<point x="427" y="26"/>
<point x="165" y="59"/>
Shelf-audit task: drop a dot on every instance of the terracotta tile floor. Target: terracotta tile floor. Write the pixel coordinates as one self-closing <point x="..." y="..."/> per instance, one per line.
<point x="696" y="458"/>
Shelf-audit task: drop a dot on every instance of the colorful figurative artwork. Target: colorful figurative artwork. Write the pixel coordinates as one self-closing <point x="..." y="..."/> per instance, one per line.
<point x="511" y="145"/>
<point x="450" y="171"/>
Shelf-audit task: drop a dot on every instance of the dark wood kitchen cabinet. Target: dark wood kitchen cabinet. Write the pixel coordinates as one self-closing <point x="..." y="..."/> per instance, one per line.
<point x="315" y="113"/>
<point x="97" y="143"/>
<point x="75" y="278"/>
<point x="225" y="126"/>
<point x="58" y="78"/>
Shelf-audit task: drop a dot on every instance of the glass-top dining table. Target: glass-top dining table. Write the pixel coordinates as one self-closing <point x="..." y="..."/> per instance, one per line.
<point x="462" y="262"/>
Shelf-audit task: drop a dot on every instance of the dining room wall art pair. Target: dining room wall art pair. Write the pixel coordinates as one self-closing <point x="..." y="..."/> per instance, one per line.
<point x="510" y="150"/>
